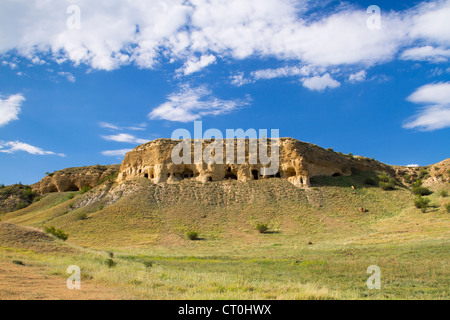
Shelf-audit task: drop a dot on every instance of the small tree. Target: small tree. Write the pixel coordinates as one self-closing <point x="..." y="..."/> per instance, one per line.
<point x="192" y="235"/>
<point x="421" y="191"/>
<point x="422" y="203"/>
<point x="262" y="227"/>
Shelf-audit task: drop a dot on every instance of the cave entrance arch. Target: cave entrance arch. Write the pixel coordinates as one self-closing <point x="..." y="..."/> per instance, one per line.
<point x="229" y="175"/>
<point x="187" y="173"/>
<point x="290" y="172"/>
<point x="255" y="174"/>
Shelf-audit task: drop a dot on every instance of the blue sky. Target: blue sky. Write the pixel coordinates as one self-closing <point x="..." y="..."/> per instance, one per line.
<point x="83" y="89"/>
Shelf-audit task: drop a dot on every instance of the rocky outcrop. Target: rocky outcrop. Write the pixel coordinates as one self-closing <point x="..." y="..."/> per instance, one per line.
<point x="75" y="179"/>
<point x="298" y="162"/>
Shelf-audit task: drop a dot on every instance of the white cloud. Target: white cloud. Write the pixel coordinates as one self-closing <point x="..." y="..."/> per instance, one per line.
<point x="435" y="93"/>
<point x="430" y="118"/>
<point x="182" y="31"/>
<point x="190" y="104"/>
<point x="281" y="72"/>
<point x="358" y="76"/>
<point x="436" y="114"/>
<point x="426" y="53"/>
<point x="124" y="137"/>
<point x="16" y="146"/>
<point x="10" y="64"/>
<point x="10" y="108"/>
<point x="320" y="83"/>
<point x="239" y="79"/>
<point x="195" y="64"/>
<point x="115" y="153"/>
<point x="70" y="77"/>
<point x="107" y="125"/>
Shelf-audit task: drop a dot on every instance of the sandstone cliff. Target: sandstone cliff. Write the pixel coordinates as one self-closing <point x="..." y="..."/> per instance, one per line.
<point x="298" y="162"/>
<point x="75" y="179"/>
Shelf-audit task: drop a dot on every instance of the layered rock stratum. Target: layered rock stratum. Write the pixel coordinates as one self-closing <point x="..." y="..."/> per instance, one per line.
<point x="75" y="179"/>
<point x="298" y="163"/>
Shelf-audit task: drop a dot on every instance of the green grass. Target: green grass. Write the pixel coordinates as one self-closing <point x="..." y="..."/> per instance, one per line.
<point x="144" y="234"/>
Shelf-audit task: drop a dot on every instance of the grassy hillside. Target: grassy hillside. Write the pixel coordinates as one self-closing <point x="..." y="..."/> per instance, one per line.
<point x="319" y="243"/>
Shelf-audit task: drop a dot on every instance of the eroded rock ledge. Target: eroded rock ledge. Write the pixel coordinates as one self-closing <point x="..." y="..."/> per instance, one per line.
<point x="298" y="162"/>
<point x="75" y="179"/>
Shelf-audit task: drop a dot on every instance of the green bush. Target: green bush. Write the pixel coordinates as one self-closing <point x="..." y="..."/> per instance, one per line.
<point x="421" y="191"/>
<point x="82" y="216"/>
<point x="60" y="234"/>
<point x="262" y="227"/>
<point x="21" y="205"/>
<point x="148" y="264"/>
<point x="110" y="263"/>
<point x="423" y="173"/>
<point x="192" y="235"/>
<point x="85" y="189"/>
<point x="384" y="177"/>
<point x="70" y="196"/>
<point x="443" y="193"/>
<point x="447" y="207"/>
<point x="417" y="183"/>
<point x="422" y="203"/>
<point x="18" y="262"/>
<point x="386" y="185"/>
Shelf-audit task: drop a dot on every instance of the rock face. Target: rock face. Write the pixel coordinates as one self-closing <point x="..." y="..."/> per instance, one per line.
<point x="298" y="162"/>
<point x="74" y="179"/>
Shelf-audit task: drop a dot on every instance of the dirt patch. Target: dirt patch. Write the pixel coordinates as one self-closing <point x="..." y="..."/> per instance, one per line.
<point x="14" y="236"/>
<point x="28" y="282"/>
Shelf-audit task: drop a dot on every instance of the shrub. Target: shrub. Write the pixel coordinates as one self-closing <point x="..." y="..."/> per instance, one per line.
<point x="21" y="205"/>
<point x="447" y="207"/>
<point x="421" y="191"/>
<point x="192" y="235"/>
<point x="82" y="216"/>
<point x="423" y="173"/>
<point x="370" y="181"/>
<point x="110" y="263"/>
<point x="70" y="195"/>
<point x="417" y="183"/>
<point x="422" y="203"/>
<point x="443" y="193"/>
<point x="18" y="262"/>
<point x="262" y="227"/>
<point x="148" y="264"/>
<point x="2" y="186"/>
<point x="85" y="189"/>
<point x="386" y="185"/>
<point x="60" y="234"/>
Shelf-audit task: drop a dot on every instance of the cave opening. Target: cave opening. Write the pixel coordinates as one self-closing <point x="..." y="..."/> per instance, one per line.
<point x="290" y="172"/>
<point x="255" y="174"/>
<point x="229" y="175"/>
<point x="73" y="187"/>
<point x="336" y="174"/>
<point x="187" y="173"/>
